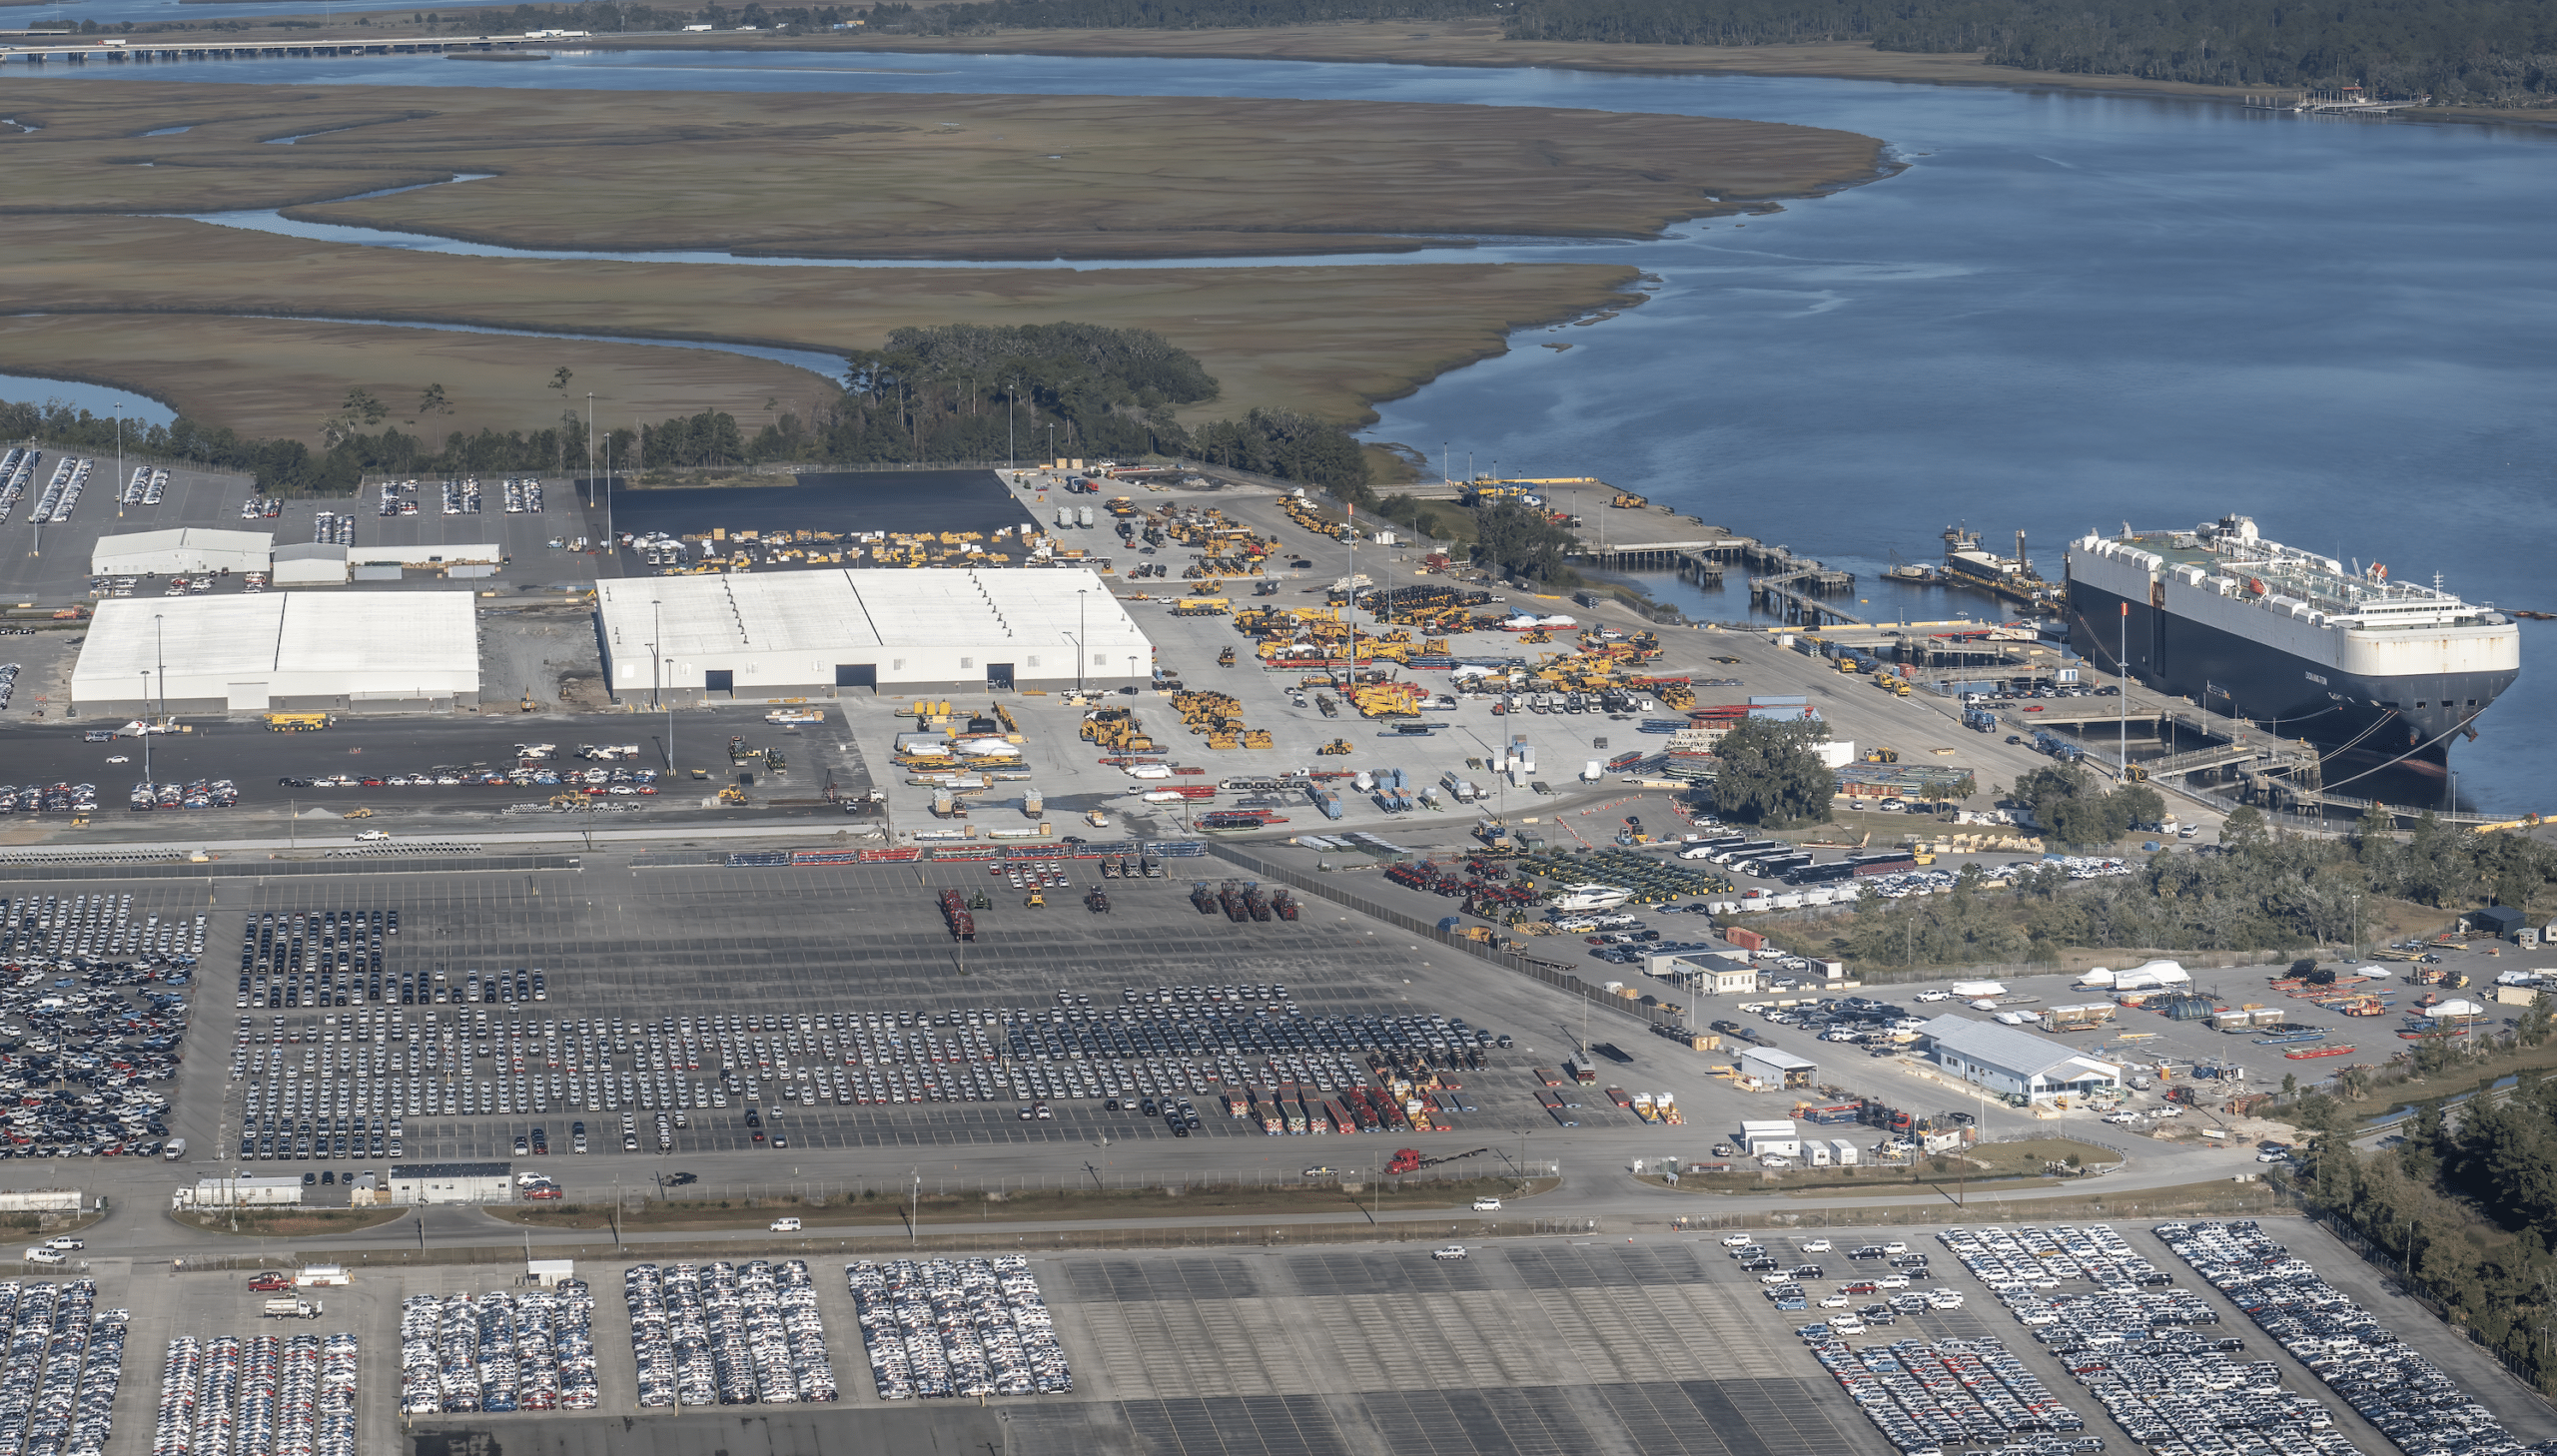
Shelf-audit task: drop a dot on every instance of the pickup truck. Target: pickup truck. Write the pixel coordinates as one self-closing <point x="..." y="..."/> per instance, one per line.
<point x="267" y="1281"/>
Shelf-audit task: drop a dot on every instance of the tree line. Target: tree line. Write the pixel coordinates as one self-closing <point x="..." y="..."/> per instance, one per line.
<point x="947" y="393"/>
<point x="2256" y="891"/>
<point x="2482" y="52"/>
<point x="2465" y="1206"/>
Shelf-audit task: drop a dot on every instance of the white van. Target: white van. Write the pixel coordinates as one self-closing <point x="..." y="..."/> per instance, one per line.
<point x="785" y="1226"/>
<point x="46" y="1256"/>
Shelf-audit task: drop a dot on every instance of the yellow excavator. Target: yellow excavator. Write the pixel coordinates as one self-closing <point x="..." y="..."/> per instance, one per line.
<point x="731" y="794"/>
<point x="1038" y="898"/>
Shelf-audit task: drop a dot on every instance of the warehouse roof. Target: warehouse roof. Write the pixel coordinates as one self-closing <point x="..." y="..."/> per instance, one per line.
<point x="452" y="1169"/>
<point x="2015" y="1050"/>
<point x="812" y="611"/>
<point x="394" y="637"/>
<point x="311" y="551"/>
<point x="1782" y="1060"/>
<point x="183" y="538"/>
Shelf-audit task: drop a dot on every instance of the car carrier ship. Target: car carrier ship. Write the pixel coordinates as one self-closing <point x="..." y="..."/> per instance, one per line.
<point x="2348" y="659"/>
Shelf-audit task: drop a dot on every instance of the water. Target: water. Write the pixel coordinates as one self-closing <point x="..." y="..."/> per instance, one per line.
<point x="2068" y="311"/>
<point x="141" y="412"/>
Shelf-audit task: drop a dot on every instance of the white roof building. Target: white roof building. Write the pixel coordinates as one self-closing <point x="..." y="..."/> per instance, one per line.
<point x="797" y="634"/>
<point x="2013" y="1062"/>
<point x="181" y="552"/>
<point x="341" y="651"/>
<point x="312" y="563"/>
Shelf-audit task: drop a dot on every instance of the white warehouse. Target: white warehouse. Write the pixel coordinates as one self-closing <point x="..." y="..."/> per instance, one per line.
<point x="801" y="634"/>
<point x="185" y="551"/>
<point x="340" y="652"/>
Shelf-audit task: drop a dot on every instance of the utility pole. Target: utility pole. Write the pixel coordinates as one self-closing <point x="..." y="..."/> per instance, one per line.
<point x="590" y="447"/>
<point x="120" y="483"/>
<point x="146" y="730"/>
<point x="1081" y="595"/>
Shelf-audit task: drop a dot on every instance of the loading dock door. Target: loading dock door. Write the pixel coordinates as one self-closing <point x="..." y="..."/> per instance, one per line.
<point x="719" y="680"/>
<point x="857" y="674"/>
<point x="999" y="676"/>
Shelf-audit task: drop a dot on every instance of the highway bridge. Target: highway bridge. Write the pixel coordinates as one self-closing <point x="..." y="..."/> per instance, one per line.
<point x="127" y="49"/>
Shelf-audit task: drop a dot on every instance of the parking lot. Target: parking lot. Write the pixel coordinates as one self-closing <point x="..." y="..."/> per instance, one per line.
<point x="1548" y="1345"/>
<point x="713" y="992"/>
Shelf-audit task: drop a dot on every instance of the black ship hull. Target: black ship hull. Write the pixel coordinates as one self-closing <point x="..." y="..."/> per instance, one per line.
<point x="2409" y="719"/>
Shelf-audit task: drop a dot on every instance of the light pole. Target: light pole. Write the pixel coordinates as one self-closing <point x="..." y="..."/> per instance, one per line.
<point x="1081" y="594"/>
<point x="657" y="633"/>
<point x="160" y="649"/>
<point x="1052" y="443"/>
<point x="590" y="447"/>
<point x="2121" y="769"/>
<point x="146" y="731"/>
<point x="119" y="483"/>
<point x="914" y="1216"/>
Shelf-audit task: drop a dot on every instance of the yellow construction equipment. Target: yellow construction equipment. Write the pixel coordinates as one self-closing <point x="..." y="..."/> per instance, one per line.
<point x="1225" y="658"/>
<point x="1627" y="500"/>
<point x="1257" y="738"/>
<point x="1881" y="755"/>
<point x="731" y="794"/>
<point x="1038" y="898"/>
<point x="1337" y="748"/>
<point x="297" y="722"/>
<point x="357" y="814"/>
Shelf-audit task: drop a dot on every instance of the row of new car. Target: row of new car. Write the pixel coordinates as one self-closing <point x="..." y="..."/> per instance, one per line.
<point x="638" y="781"/>
<point x="265" y="1395"/>
<point x="329" y="529"/>
<point x="2144" y="1356"/>
<point x="957" y="1327"/>
<point x="2025" y="1257"/>
<point x="66" y="1358"/>
<point x="524" y="496"/>
<point x="17" y="469"/>
<point x="145" y="487"/>
<point x="78" y="1079"/>
<point x="62" y="492"/>
<point x="195" y="794"/>
<point x="257" y="506"/>
<point x="727" y="1334"/>
<point x="2405" y="1394"/>
<point x="48" y="798"/>
<point x="8" y="682"/>
<point x="507" y="1351"/>
<point x="1926" y="1395"/>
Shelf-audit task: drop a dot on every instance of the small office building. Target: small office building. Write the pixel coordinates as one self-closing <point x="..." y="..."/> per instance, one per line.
<point x="2011" y="1063"/>
<point x="1777" y="1137"/>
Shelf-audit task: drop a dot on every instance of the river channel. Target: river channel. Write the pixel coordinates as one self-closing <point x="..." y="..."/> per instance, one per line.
<point x="2066" y="311"/>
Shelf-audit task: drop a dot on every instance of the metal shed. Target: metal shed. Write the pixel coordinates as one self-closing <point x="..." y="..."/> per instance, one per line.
<point x="452" y="1182"/>
<point x="1779" y="1069"/>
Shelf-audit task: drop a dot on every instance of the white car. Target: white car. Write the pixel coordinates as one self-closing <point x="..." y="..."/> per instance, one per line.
<point x="119" y="758"/>
<point x="1486" y="1205"/>
<point x="1451" y="1251"/>
<point x="1846" y="1324"/>
<point x="1892" y="1281"/>
<point x="785" y="1226"/>
<point x="1835" y="1301"/>
<point x="2272" y="1157"/>
<point x="1895" y="1247"/>
<point x="1775" y="1276"/>
<point x="374" y="834"/>
<point x="64" y="1244"/>
<point x="1738" y="1241"/>
<point x="1944" y="1299"/>
<point x="1817" y="1245"/>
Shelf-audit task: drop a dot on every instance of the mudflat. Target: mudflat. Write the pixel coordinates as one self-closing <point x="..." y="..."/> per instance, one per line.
<point x="900" y="176"/>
